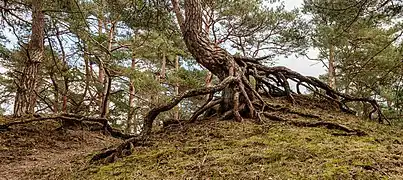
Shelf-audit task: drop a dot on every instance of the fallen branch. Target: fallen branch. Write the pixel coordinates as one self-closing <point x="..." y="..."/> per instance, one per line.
<point x="73" y="118"/>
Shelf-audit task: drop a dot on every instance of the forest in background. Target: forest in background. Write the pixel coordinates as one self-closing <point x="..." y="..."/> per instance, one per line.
<point x="174" y="89"/>
<point x="119" y="59"/>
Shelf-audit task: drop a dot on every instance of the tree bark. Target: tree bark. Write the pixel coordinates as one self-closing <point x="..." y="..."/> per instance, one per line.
<point x="65" y="70"/>
<point x="132" y="91"/>
<point x="163" y="67"/>
<point x="233" y="71"/>
<point x="106" y="94"/>
<point x="176" y="113"/>
<point x="101" y="73"/>
<point x="101" y="80"/>
<point x="88" y="78"/>
<point x="211" y="56"/>
<point x="160" y="77"/>
<point x="207" y="82"/>
<point x="25" y="100"/>
<point x="208" y="79"/>
<point x="332" y="71"/>
<point x="106" y="80"/>
<point x="56" y="93"/>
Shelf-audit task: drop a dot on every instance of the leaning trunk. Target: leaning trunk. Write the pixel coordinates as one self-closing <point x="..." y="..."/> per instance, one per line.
<point x="234" y="82"/>
<point x="217" y="60"/>
<point x="25" y="100"/>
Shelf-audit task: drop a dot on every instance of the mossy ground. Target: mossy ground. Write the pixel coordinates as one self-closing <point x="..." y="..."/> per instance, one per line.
<point x="214" y="149"/>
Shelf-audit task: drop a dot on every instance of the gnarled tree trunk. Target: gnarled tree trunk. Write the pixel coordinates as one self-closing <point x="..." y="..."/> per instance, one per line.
<point x="238" y="94"/>
<point x="217" y="60"/>
<point x="25" y="100"/>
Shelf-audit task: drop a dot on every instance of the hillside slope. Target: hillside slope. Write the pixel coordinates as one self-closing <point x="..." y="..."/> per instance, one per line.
<point x="41" y="151"/>
<point x="213" y="149"/>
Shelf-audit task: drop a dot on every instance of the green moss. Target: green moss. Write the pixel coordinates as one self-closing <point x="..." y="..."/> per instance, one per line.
<point x="231" y="150"/>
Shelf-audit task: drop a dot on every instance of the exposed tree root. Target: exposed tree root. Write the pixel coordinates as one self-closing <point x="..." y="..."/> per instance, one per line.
<point x="208" y="105"/>
<point x="170" y="122"/>
<point x="153" y="113"/>
<point x="239" y="96"/>
<point x="70" y="119"/>
<point x="125" y="148"/>
<point x="328" y="125"/>
<point x="246" y="101"/>
<point x="272" y="79"/>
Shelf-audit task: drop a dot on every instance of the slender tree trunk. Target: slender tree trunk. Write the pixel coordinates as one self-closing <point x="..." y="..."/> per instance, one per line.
<point x="25" y="100"/>
<point x="163" y="67"/>
<point x="132" y="91"/>
<point x="101" y="80"/>
<point x="161" y="76"/>
<point x="64" y="71"/>
<point x="107" y="79"/>
<point x="332" y="71"/>
<point x="101" y="71"/>
<point x="100" y="21"/>
<point x="95" y="97"/>
<point x="176" y="114"/>
<point x="106" y="93"/>
<point x="56" y="93"/>
<point x="65" y="93"/>
<point x="88" y="77"/>
<point x="398" y="98"/>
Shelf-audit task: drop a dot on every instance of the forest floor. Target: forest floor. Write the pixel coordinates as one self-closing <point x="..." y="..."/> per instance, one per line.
<point x="42" y="151"/>
<point x="212" y="149"/>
